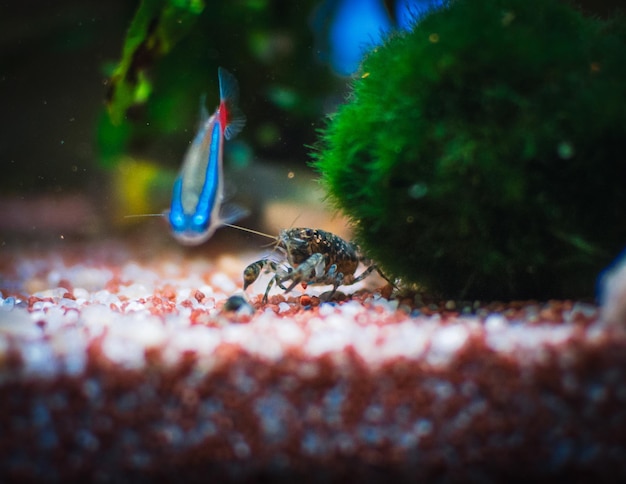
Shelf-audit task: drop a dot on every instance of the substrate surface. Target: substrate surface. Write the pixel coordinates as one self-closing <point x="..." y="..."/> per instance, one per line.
<point x="119" y="361"/>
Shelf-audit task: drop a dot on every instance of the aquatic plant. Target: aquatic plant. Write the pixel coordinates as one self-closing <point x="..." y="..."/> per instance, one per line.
<point x="482" y="153"/>
<point x="156" y="28"/>
<point x="169" y="59"/>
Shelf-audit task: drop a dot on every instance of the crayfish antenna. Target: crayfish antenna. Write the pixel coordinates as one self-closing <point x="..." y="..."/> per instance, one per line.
<point x="245" y="229"/>
<point x="137" y="215"/>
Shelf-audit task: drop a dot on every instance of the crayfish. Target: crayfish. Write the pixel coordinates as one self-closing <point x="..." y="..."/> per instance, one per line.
<point x="312" y="257"/>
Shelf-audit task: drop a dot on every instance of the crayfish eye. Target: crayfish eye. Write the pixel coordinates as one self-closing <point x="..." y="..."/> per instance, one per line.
<point x="308" y="232"/>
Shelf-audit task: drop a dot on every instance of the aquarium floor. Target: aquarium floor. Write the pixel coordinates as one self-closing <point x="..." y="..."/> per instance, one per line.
<point x="119" y="361"/>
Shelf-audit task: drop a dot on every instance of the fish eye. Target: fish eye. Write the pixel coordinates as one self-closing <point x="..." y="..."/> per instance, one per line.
<point x="200" y="220"/>
<point x="177" y="220"/>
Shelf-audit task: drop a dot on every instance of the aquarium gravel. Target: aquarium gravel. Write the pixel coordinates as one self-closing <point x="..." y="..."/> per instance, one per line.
<point x="119" y="363"/>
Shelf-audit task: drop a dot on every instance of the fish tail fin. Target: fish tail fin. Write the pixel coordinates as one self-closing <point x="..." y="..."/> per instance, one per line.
<point x="233" y="118"/>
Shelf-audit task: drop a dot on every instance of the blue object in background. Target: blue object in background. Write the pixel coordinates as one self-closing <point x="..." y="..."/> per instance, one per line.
<point x="604" y="277"/>
<point x="357" y="26"/>
<point x="348" y="29"/>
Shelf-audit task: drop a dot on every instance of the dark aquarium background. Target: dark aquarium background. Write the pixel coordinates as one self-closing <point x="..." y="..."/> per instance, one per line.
<point x="71" y="164"/>
<point x="76" y="160"/>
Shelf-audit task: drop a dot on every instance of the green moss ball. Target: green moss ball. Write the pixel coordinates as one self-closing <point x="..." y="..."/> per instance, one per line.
<point x="483" y="154"/>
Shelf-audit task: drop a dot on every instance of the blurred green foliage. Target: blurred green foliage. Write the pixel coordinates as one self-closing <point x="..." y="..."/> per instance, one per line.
<point x="170" y="59"/>
<point x="55" y="59"/>
<point x="482" y="154"/>
<point x="156" y="28"/>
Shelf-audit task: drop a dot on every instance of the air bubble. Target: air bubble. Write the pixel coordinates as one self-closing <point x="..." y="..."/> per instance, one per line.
<point x="418" y="190"/>
<point x="565" y="150"/>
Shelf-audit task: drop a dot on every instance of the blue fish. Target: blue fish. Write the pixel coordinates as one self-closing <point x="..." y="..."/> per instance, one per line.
<point x="197" y="209"/>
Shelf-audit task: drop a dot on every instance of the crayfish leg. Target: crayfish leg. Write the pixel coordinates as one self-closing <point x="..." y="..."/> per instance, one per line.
<point x="268" y="288"/>
<point x="253" y="271"/>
